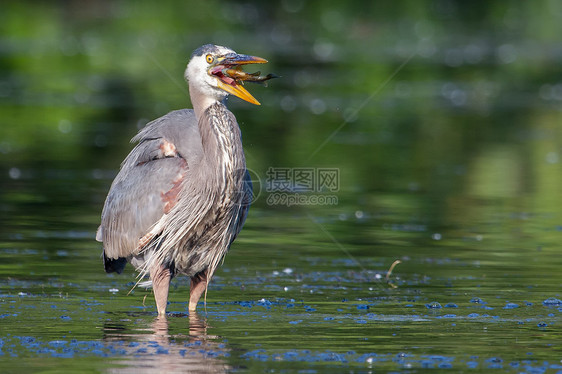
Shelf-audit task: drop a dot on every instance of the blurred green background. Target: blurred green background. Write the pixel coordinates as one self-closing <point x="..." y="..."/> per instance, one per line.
<point x="435" y="96"/>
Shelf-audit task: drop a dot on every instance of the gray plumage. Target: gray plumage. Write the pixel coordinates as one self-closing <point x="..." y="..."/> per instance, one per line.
<point x="183" y="193"/>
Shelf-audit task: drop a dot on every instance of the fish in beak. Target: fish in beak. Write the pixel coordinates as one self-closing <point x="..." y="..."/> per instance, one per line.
<point x="231" y="77"/>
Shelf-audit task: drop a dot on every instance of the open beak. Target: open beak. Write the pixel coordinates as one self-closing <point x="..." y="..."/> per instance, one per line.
<point x="228" y="71"/>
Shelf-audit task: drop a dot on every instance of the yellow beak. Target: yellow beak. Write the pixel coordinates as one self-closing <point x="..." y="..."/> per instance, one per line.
<point x="240" y="91"/>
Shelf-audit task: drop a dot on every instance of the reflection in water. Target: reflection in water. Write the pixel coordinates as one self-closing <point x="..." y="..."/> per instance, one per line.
<point x="154" y="349"/>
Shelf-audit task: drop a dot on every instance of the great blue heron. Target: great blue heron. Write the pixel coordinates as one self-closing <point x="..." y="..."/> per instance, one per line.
<point x="183" y="193"/>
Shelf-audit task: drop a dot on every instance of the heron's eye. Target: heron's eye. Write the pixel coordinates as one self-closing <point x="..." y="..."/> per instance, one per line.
<point x="210" y="59"/>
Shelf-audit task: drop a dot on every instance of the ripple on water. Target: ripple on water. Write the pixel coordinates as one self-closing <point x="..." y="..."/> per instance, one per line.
<point x="552" y="301"/>
<point x="511" y="306"/>
<point x="433" y="305"/>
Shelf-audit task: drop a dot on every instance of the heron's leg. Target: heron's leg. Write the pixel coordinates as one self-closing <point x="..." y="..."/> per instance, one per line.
<point x="160" y="277"/>
<point x="198" y="286"/>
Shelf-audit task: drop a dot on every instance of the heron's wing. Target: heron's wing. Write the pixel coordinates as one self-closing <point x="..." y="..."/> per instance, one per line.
<point x="137" y="199"/>
<point x="148" y="182"/>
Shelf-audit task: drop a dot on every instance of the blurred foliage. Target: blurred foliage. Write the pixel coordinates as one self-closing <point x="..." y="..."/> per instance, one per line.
<point x="437" y="101"/>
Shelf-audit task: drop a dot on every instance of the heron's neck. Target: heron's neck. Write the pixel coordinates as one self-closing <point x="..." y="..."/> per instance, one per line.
<point x="200" y="101"/>
<point x="222" y="145"/>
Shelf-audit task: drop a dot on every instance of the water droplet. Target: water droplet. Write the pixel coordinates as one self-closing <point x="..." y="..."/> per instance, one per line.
<point x="350" y="115"/>
<point x="14" y="173"/>
<point x="65" y="126"/>
<point x="288" y="103"/>
<point x="323" y="49"/>
<point x="317" y="106"/>
<point x="507" y="53"/>
<point x="552" y="158"/>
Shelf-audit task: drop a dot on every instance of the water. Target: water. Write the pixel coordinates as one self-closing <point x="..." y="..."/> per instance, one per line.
<point x="432" y="136"/>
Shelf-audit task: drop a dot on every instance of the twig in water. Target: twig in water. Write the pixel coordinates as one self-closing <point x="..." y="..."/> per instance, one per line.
<point x="389" y="272"/>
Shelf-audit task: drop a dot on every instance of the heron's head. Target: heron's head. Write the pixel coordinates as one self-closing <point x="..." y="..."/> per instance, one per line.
<point x="216" y="71"/>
